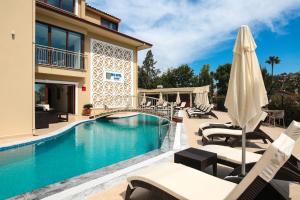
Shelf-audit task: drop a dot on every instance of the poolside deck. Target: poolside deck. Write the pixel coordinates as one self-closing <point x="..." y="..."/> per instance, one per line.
<point x="117" y="192"/>
<point x="115" y="189"/>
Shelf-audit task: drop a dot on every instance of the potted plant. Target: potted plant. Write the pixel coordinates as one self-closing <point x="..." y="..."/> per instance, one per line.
<point x="87" y="109"/>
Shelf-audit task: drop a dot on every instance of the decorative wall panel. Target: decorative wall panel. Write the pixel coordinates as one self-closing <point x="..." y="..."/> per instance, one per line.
<point x="107" y="60"/>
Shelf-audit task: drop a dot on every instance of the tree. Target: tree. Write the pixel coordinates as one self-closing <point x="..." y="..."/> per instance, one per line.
<point x="267" y="78"/>
<point x="222" y="76"/>
<point x="204" y="75"/>
<point x="273" y="60"/>
<point x="184" y="76"/>
<point x="147" y="74"/>
<point x="168" y="79"/>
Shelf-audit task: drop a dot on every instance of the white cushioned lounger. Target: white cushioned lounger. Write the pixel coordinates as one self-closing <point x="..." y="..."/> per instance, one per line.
<point x="234" y="155"/>
<point x="181" y="182"/>
<point x="218" y="131"/>
<point x="184" y="182"/>
<point x="208" y="124"/>
<point x="231" y="154"/>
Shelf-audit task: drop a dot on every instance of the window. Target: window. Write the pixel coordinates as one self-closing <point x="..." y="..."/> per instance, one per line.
<point x="41" y="34"/>
<point x="74" y="43"/>
<point x="58" y="38"/>
<point x="108" y="24"/>
<point x="67" y="5"/>
<point x="68" y="46"/>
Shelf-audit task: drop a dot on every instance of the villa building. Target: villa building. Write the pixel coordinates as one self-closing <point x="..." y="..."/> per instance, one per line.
<point x="61" y="54"/>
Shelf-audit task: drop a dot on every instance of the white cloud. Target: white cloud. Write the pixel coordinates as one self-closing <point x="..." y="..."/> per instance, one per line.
<point x="187" y="30"/>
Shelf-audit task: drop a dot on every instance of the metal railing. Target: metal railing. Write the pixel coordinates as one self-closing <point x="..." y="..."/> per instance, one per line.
<point x="45" y="55"/>
<point x="135" y="104"/>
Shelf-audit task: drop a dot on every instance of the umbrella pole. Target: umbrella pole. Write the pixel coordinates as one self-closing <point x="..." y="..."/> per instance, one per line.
<point x="244" y="151"/>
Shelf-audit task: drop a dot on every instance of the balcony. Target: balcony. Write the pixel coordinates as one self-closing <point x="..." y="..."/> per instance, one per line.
<point x="59" y="58"/>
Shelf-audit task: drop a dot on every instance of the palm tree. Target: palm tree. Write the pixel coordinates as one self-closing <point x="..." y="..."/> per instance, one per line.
<point x="273" y="60"/>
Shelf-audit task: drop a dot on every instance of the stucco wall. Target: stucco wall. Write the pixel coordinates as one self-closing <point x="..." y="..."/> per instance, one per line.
<point x="16" y="55"/>
<point x="83" y="78"/>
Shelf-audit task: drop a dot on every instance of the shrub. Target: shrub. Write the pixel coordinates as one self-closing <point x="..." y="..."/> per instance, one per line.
<point x="88" y="106"/>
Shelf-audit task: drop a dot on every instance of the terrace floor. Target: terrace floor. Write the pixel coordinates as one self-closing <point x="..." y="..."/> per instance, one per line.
<point x="117" y="192"/>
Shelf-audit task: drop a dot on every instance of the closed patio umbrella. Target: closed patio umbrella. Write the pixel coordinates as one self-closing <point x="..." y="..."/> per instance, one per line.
<point x="246" y="93"/>
<point x="144" y="101"/>
<point x="160" y="100"/>
<point x="197" y="100"/>
<point x="205" y="100"/>
<point x="178" y="101"/>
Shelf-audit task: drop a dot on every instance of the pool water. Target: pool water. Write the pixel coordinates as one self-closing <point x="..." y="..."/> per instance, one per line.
<point x="83" y="148"/>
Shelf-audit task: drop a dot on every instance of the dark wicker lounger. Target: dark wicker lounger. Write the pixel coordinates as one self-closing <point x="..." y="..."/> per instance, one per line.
<point x="228" y="133"/>
<point x="199" y="113"/>
<point x="176" y="181"/>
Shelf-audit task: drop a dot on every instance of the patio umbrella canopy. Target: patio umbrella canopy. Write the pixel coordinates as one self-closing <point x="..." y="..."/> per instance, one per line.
<point x="197" y="101"/>
<point x="246" y="93"/>
<point x="160" y="100"/>
<point x="178" y="101"/>
<point x="205" y="100"/>
<point x="144" y="99"/>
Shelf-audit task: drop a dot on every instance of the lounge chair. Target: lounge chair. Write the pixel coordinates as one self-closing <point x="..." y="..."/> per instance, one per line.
<point x="207" y="125"/>
<point x="236" y="134"/>
<point x="198" y="113"/>
<point x="176" y="181"/>
<point x="164" y="105"/>
<point x="148" y="105"/>
<point x="182" y="106"/>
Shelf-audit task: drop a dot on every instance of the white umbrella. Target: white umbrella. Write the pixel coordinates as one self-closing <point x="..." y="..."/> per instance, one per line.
<point x="197" y="99"/>
<point x="144" y="101"/>
<point x="160" y="100"/>
<point x="178" y="101"/>
<point x="205" y="100"/>
<point x="246" y="92"/>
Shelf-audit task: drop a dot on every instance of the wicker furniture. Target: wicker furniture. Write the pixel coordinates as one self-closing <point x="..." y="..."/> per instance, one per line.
<point x="197" y="159"/>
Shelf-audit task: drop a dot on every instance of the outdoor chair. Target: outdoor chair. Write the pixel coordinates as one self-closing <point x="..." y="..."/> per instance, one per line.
<point x="176" y="181"/>
<point x="148" y="105"/>
<point x="277" y="115"/>
<point x="236" y="134"/>
<point x="200" y="113"/>
<point x="207" y="125"/>
<point x="232" y="157"/>
<point x="182" y="106"/>
<point x="164" y="105"/>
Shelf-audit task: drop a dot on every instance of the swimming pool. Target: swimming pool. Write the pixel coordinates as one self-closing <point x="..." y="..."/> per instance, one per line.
<point x="81" y="149"/>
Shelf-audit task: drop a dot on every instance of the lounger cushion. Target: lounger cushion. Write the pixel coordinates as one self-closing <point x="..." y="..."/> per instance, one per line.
<point x="184" y="182"/>
<point x="231" y="154"/>
<point x="208" y="124"/>
<point x="217" y="131"/>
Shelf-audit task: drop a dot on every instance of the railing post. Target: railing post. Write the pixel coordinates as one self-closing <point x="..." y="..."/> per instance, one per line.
<point x="171" y="111"/>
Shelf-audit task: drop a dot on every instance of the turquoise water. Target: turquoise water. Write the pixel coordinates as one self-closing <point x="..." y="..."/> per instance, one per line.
<point x="86" y="147"/>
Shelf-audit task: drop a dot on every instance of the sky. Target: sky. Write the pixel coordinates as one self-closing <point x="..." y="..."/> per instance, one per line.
<point x="203" y="32"/>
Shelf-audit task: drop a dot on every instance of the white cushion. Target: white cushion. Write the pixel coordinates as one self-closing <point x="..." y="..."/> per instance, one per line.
<point x="184" y="182"/>
<point x="208" y="124"/>
<point x="231" y="154"/>
<point x="214" y="131"/>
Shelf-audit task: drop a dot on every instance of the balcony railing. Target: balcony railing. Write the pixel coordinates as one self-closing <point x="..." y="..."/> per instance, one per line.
<point x="53" y="57"/>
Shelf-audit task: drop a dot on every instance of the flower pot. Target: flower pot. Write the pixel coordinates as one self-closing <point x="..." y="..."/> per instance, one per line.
<point x="86" y="112"/>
